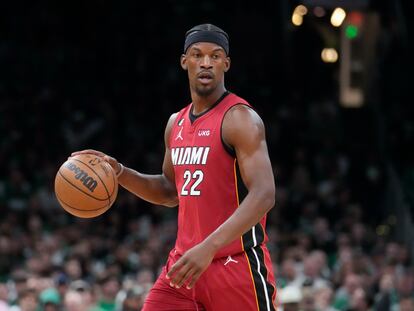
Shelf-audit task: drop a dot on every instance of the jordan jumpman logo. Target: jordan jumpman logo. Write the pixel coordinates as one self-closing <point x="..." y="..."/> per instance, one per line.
<point x="229" y="259"/>
<point x="179" y="135"/>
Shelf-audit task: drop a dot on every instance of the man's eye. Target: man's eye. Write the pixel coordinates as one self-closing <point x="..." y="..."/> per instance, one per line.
<point x="215" y="56"/>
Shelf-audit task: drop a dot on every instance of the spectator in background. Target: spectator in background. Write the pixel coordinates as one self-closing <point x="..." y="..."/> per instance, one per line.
<point x="406" y="304"/>
<point x="404" y="286"/>
<point x="4" y="297"/>
<point x="345" y="293"/>
<point x="307" y="302"/>
<point x="73" y="268"/>
<point x="289" y="298"/>
<point x="61" y="283"/>
<point x="359" y="301"/>
<point x="28" y="301"/>
<point x="312" y="271"/>
<point x="73" y="301"/>
<point x="6" y="249"/>
<point x="321" y="263"/>
<point x="50" y="300"/>
<point x="85" y="295"/>
<point x="386" y="292"/>
<point x="19" y="284"/>
<point x="324" y="299"/>
<point x="287" y="274"/>
<point x="323" y="237"/>
<point x="134" y="299"/>
<point x="343" y="264"/>
<point x="108" y="288"/>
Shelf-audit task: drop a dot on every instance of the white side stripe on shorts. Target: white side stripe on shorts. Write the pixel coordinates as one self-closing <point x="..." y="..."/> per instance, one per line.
<point x="263" y="280"/>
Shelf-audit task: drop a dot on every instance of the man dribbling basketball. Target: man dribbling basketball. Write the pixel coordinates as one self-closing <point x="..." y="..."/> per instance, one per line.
<point x="220" y="261"/>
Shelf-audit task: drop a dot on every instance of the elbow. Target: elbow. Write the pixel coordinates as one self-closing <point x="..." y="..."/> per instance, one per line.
<point x="270" y="203"/>
<point x="171" y="202"/>
<point x="170" y="196"/>
<point x="269" y="199"/>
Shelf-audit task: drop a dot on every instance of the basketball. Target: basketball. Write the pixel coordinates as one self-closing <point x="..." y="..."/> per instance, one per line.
<point x="86" y="186"/>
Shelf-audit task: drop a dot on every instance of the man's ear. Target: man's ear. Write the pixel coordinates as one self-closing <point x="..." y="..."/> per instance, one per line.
<point x="183" y="61"/>
<point x="227" y="63"/>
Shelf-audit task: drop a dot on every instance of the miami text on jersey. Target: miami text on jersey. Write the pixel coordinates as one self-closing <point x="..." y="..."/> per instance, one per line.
<point x="189" y="155"/>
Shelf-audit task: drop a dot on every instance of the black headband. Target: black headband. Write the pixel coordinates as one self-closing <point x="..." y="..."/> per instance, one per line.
<point x="216" y="37"/>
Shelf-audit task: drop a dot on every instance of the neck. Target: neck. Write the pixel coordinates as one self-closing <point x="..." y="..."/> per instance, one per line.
<point x="202" y="103"/>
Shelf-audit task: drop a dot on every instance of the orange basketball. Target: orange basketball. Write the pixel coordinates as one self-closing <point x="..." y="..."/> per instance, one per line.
<point x="86" y="186"/>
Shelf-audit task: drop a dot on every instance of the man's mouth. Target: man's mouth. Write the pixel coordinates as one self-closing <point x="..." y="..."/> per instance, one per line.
<point x="205" y="77"/>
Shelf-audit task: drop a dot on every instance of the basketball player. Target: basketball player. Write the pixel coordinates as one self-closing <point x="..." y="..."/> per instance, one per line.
<point x="213" y="146"/>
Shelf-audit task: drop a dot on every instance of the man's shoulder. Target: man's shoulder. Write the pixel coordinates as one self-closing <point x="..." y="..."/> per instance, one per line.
<point x="176" y="116"/>
<point x="239" y="119"/>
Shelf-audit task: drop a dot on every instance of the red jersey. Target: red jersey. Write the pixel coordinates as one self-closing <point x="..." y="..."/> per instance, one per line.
<point x="206" y="178"/>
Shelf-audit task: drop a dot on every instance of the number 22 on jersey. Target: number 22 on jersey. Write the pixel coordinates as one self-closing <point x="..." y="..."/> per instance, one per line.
<point x="197" y="177"/>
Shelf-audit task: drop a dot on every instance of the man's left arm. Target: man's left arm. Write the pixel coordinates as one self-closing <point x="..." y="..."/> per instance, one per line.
<point x="243" y="130"/>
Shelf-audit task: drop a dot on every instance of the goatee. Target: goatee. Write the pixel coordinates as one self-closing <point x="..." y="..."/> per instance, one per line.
<point x="204" y="92"/>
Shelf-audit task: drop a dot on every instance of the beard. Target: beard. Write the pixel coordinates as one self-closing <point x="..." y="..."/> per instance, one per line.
<point x="204" y="91"/>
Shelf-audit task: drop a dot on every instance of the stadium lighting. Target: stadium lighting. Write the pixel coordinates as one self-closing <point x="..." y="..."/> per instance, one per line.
<point x="297" y="19"/>
<point x="337" y="17"/>
<point x="351" y="31"/>
<point x="383" y="230"/>
<point x="301" y="10"/>
<point x="298" y="13"/>
<point x="319" y="11"/>
<point x="329" y="55"/>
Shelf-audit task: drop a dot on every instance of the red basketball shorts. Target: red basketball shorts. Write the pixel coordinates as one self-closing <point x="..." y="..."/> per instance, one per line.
<point x="240" y="282"/>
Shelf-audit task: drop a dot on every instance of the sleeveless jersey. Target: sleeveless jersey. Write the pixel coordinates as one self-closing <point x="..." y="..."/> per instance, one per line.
<point x="206" y="178"/>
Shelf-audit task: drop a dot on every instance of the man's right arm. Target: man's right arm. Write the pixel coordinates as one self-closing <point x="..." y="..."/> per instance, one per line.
<point x="156" y="189"/>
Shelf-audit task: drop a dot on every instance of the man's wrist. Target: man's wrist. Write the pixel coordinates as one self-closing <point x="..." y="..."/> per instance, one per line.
<point x="120" y="171"/>
<point x="213" y="244"/>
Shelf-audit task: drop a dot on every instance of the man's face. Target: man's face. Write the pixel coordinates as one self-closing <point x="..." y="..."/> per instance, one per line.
<point x="28" y="302"/>
<point x="206" y="64"/>
<point x="133" y="303"/>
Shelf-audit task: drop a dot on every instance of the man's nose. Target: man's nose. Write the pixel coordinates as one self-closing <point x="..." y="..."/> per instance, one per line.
<point x="206" y="62"/>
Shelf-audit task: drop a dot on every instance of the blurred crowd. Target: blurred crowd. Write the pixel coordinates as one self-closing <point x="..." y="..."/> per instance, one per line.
<point x="331" y="235"/>
<point x="331" y="248"/>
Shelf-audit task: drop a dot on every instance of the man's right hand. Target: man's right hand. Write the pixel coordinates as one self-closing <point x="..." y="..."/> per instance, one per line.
<point x="112" y="161"/>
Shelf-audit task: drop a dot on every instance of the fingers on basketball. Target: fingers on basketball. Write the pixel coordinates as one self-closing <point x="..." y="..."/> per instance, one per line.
<point x="89" y="151"/>
<point x="86" y="186"/>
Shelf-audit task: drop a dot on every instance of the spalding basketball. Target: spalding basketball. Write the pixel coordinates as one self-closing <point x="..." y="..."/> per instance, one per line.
<point x="86" y="186"/>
